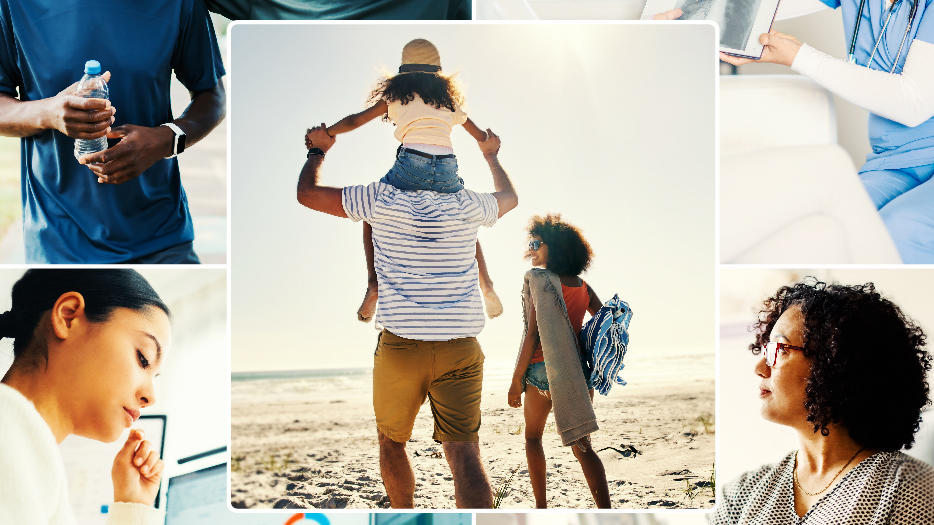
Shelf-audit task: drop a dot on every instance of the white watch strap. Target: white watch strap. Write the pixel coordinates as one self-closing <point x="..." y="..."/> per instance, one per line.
<point x="178" y="131"/>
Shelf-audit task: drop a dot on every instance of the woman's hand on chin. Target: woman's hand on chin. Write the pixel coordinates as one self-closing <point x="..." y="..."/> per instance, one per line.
<point x="777" y="48"/>
<point x="136" y="471"/>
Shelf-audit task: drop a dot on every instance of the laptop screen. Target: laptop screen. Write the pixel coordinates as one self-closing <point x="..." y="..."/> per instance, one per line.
<point x="200" y="498"/>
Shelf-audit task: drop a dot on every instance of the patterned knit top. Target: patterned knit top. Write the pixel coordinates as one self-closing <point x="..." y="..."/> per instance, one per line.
<point x="886" y="488"/>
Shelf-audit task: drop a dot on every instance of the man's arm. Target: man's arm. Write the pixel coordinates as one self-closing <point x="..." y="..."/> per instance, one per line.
<point x="356" y="120"/>
<point x="325" y="199"/>
<point x="140" y="147"/>
<point x="504" y="193"/>
<point x="74" y="116"/>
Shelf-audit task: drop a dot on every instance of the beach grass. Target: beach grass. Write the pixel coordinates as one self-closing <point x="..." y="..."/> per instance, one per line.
<point x="503" y="489"/>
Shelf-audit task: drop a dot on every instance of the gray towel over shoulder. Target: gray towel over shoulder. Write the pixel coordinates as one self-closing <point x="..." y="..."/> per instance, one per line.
<point x="574" y="416"/>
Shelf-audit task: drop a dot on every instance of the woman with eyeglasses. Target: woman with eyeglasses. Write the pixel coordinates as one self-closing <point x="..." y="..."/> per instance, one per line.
<point x="560" y="248"/>
<point x="846" y="369"/>
<point x="889" y="71"/>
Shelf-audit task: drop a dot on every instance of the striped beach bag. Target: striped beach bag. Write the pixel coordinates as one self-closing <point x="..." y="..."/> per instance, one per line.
<point x="604" y="340"/>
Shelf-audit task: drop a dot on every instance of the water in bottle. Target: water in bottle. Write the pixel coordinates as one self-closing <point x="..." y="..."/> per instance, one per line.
<point x="92" y="85"/>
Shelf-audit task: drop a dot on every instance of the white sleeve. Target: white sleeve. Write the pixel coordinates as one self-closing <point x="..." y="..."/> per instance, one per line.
<point x="134" y="514"/>
<point x="907" y="98"/>
<point x="33" y="490"/>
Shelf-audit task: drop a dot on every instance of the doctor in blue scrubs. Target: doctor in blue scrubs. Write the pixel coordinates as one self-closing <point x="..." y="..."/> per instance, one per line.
<point x="889" y="72"/>
<point x="126" y="204"/>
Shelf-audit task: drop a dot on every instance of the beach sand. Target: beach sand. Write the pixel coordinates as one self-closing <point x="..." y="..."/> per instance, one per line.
<point x="311" y="443"/>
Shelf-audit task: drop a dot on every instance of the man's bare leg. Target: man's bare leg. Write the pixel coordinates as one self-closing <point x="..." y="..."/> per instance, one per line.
<point x="494" y="307"/>
<point x="397" y="474"/>
<point x="471" y="486"/>
<point x="368" y="306"/>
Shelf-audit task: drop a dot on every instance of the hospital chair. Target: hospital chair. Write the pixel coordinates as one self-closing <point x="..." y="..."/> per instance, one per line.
<point x="789" y="194"/>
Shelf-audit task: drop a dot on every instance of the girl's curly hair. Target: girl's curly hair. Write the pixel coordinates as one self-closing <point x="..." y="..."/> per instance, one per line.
<point x="434" y="89"/>
<point x="568" y="251"/>
<point x="868" y="361"/>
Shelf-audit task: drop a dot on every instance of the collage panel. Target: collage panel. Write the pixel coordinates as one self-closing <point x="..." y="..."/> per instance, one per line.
<point x="89" y="354"/>
<point x="499" y="309"/>
<point x="113" y="147"/>
<point x="849" y="145"/>
<point x="827" y="373"/>
<point x="578" y="154"/>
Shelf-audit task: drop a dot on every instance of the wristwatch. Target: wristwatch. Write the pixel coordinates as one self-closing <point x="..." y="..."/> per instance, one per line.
<point x="178" y="143"/>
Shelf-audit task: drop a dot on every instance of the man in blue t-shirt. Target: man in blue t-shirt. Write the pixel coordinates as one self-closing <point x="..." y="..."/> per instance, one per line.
<point x="125" y="204"/>
<point x="342" y="9"/>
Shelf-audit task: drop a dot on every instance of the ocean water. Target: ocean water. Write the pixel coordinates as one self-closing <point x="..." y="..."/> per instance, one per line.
<point x="642" y="370"/>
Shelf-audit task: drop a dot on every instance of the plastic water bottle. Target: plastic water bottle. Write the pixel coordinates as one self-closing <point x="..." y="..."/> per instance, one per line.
<point x="92" y="85"/>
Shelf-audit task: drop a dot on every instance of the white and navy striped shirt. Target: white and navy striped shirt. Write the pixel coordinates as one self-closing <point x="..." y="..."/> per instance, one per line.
<point x="424" y="250"/>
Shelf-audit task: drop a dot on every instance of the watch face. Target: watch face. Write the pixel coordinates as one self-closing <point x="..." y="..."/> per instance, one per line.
<point x="181" y="144"/>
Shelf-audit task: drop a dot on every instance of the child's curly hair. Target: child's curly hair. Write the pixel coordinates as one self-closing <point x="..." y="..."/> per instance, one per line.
<point x="568" y="251"/>
<point x="434" y="89"/>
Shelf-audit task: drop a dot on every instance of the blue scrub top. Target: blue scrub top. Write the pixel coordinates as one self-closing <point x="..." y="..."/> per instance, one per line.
<point x="893" y="145"/>
<point x="342" y="9"/>
<point x="67" y="216"/>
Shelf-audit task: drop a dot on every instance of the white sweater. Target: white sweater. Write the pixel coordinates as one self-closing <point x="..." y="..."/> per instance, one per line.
<point x="33" y="488"/>
<point x="907" y="98"/>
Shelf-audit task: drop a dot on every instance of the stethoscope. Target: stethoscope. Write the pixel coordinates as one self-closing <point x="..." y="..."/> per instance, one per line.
<point x="859" y="18"/>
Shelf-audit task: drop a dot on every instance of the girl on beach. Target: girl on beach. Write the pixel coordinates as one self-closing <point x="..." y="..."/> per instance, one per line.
<point x="424" y="105"/>
<point x="560" y="248"/>
<point x="86" y="345"/>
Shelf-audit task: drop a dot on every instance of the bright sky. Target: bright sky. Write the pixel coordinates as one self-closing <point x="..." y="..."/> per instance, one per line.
<point x="611" y="125"/>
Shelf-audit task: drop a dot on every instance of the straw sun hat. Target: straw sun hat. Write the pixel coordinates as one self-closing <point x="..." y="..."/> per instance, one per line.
<point x="420" y="55"/>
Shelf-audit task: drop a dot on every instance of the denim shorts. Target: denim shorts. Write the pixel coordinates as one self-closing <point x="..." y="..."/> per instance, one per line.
<point x="535" y="375"/>
<point x="413" y="172"/>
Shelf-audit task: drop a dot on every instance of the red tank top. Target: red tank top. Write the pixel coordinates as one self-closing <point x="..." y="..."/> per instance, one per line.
<point x="577" y="299"/>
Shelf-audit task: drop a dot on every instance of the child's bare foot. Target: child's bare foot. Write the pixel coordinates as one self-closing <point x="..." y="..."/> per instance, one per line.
<point x="368" y="306"/>
<point x="494" y="308"/>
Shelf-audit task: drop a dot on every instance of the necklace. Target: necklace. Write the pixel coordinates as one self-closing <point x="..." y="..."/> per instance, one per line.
<point x="795" y="474"/>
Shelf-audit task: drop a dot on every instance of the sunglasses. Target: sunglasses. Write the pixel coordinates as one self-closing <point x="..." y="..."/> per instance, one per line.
<point x="535" y="244"/>
<point x="772" y="348"/>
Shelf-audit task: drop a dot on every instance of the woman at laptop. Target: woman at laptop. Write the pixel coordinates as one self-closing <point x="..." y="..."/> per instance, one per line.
<point x="86" y="345"/>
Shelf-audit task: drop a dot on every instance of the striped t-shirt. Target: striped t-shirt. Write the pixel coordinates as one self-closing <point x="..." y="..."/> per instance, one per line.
<point x="424" y="252"/>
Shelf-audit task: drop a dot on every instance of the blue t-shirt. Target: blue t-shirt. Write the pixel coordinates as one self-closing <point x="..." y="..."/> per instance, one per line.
<point x="342" y="9"/>
<point x="893" y="145"/>
<point x="67" y="216"/>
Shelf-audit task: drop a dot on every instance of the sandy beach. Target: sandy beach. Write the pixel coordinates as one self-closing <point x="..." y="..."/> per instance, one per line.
<point x="310" y="442"/>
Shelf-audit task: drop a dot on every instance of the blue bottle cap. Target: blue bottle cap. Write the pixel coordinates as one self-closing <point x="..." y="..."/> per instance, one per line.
<point x="92" y="67"/>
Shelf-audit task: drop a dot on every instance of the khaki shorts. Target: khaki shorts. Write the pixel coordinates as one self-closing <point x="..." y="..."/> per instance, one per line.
<point x="448" y="373"/>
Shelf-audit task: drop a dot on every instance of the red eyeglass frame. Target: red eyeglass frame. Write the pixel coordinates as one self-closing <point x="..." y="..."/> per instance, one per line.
<point x="770" y="351"/>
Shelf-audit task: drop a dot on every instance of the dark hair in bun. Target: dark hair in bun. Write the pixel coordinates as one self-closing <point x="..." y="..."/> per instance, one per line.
<point x="103" y="290"/>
